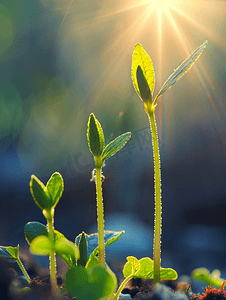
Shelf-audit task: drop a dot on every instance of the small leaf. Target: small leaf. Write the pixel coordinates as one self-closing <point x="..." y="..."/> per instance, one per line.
<point x="33" y="230"/>
<point x="83" y="247"/>
<point x="143" y="85"/>
<point x="67" y="251"/>
<point x="131" y="267"/>
<point x="4" y="254"/>
<point x="146" y="269"/>
<point x="14" y="251"/>
<point x="39" y="193"/>
<point x="182" y="69"/>
<point x="55" y="187"/>
<point x="212" y="279"/>
<point x="95" y="136"/>
<point x="168" y="274"/>
<point x="92" y="263"/>
<point x="115" y="145"/>
<point x="143" y="74"/>
<point x="92" y="240"/>
<point x="41" y="245"/>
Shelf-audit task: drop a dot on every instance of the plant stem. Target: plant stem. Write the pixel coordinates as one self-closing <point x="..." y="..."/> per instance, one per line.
<point x="158" y="204"/>
<point x="52" y="257"/>
<point x="23" y="270"/>
<point x="100" y="217"/>
<point x="122" y="286"/>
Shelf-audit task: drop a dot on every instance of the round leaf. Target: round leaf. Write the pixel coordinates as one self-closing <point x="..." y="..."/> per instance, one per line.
<point x="41" y="245"/>
<point x="100" y="282"/>
<point x="33" y="230"/>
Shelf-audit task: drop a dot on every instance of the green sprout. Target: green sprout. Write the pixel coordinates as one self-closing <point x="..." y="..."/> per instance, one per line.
<point x="11" y="254"/>
<point x="203" y="274"/>
<point x="143" y="77"/>
<point x="95" y="137"/>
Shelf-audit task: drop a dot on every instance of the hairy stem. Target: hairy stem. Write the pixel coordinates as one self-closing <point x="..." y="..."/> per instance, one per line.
<point x="100" y="217"/>
<point x="158" y="204"/>
<point x="52" y="257"/>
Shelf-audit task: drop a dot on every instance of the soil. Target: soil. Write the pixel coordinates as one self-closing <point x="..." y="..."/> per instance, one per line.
<point x="11" y="285"/>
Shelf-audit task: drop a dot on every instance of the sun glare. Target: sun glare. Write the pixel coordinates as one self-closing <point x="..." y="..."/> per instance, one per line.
<point x="160" y="3"/>
<point x="104" y="36"/>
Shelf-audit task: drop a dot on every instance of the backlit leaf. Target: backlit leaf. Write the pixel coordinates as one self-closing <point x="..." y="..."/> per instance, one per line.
<point x="212" y="279"/>
<point x="40" y="193"/>
<point x="182" y="69"/>
<point x="115" y="145"/>
<point x="131" y="267"/>
<point x="146" y="270"/>
<point x="143" y="74"/>
<point x="6" y="255"/>
<point x="55" y="187"/>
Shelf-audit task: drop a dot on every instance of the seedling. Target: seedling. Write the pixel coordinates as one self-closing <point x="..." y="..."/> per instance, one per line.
<point x="95" y="136"/>
<point x="143" y="77"/>
<point x="203" y="274"/>
<point x="89" y="277"/>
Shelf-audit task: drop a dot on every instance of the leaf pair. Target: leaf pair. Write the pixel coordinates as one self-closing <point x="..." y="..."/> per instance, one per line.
<point x="47" y="197"/>
<point x="143" y="75"/>
<point x="144" y="268"/>
<point x="37" y="237"/>
<point x="95" y="137"/>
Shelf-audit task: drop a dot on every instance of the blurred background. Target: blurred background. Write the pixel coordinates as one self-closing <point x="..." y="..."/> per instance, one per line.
<point x="61" y="60"/>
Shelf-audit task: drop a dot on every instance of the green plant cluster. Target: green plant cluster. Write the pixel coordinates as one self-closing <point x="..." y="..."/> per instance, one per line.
<point x="88" y="276"/>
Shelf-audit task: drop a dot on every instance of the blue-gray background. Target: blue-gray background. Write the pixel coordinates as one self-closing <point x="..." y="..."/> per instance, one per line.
<point x="62" y="60"/>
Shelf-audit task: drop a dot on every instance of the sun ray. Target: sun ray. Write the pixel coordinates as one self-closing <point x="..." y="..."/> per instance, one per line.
<point x="206" y="31"/>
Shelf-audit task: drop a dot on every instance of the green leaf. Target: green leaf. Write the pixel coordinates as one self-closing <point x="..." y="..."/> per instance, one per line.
<point x="146" y="269"/>
<point x="14" y="251"/>
<point x="143" y="74"/>
<point x="7" y="255"/>
<point x="40" y="193"/>
<point x="131" y="267"/>
<point x="115" y="145"/>
<point x="92" y="240"/>
<point x="55" y="187"/>
<point x="203" y="274"/>
<point x="41" y="245"/>
<point x="182" y="69"/>
<point x="168" y="274"/>
<point x="84" y="285"/>
<point x="83" y="248"/>
<point x="92" y="263"/>
<point x="95" y="136"/>
<point x="33" y="230"/>
<point x="67" y="250"/>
